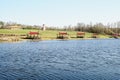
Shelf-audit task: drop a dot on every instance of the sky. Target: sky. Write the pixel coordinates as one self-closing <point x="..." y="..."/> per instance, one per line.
<point x="59" y="12"/>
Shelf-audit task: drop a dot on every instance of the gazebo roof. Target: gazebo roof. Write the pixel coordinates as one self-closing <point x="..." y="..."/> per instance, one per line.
<point x="33" y="33"/>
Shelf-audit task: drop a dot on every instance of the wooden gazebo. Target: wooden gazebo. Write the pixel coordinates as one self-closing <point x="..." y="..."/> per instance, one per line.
<point x="115" y="35"/>
<point x="95" y="35"/>
<point x="33" y="35"/>
<point x="80" y="34"/>
<point x="62" y="35"/>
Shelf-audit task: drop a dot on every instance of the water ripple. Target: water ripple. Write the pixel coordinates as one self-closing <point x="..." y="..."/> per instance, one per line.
<point x="60" y="60"/>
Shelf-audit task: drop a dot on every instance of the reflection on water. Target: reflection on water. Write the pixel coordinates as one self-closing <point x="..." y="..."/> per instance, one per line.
<point x="60" y="60"/>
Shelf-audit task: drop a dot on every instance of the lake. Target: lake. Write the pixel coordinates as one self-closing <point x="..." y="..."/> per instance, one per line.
<point x="61" y="60"/>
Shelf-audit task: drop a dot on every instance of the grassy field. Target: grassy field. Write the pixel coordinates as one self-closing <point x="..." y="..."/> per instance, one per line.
<point x="48" y="34"/>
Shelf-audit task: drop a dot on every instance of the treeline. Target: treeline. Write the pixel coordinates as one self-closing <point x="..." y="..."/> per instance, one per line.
<point x="99" y="28"/>
<point x="6" y="25"/>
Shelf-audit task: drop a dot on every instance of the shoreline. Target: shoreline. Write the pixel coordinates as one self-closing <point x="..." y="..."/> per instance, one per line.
<point x="19" y="39"/>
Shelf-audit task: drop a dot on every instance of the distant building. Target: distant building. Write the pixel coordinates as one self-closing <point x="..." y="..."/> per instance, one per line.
<point x="15" y="27"/>
<point x="43" y="27"/>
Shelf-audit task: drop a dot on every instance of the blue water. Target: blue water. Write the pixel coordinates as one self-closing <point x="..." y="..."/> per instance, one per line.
<point x="60" y="60"/>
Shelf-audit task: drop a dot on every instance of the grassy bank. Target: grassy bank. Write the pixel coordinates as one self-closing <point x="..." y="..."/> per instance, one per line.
<point x="48" y="34"/>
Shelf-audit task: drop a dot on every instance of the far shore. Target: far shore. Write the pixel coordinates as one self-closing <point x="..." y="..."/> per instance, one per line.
<point x="7" y="35"/>
<point x="17" y="39"/>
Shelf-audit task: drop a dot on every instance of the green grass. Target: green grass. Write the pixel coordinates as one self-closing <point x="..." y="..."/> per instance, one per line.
<point x="17" y="32"/>
<point x="48" y="34"/>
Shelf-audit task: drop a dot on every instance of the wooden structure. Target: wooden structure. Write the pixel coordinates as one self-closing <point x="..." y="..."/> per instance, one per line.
<point x="95" y="35"/>
<point x="33" y="35"/>
<point x="80" y="34"/>
<point x="115" y="35"/>
<point x="62" y="35"/>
